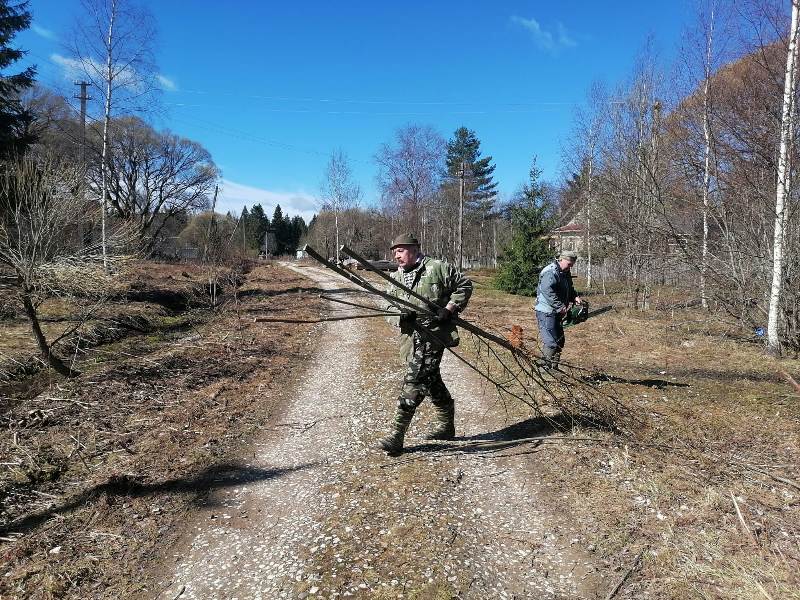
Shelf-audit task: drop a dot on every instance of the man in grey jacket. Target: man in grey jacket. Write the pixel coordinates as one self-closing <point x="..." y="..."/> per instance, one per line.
<point x="554" y="297"/>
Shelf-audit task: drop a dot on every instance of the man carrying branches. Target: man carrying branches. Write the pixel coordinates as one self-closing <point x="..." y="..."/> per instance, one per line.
<point x="423" y="338"/>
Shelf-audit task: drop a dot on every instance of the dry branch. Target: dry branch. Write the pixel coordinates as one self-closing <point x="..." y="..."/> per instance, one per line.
<point x="514" y="371"/>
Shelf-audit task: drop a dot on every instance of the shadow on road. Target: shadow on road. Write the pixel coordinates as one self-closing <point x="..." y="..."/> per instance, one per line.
<point x="510" y="436"/>
<point x="212" y="478"/>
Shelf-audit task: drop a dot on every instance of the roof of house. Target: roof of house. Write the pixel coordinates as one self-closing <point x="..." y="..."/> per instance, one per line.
<point x="569" y="228"/>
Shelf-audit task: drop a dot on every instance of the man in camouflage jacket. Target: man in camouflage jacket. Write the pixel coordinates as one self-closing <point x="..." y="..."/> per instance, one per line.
<point x="423" y="338"/>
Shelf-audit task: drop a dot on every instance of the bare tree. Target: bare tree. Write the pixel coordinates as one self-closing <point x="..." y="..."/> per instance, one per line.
<point x="113" y="46"/>
<point x="339" y="192"/>
<point x="409" y="172"/>
<point x="633" y="179"/>
<point x="150" y="177"/>
<point x="43" y="204"/>
<point x="582" y="157"/>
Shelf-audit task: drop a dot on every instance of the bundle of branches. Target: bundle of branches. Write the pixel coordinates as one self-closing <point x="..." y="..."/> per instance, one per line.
<point x="517" y="373"/>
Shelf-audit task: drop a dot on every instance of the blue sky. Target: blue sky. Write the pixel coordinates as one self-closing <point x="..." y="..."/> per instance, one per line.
<point x="271" y="89"/>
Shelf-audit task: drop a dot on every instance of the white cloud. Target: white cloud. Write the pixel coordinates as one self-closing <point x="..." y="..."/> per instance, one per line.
<point x="72" y="68"/>
<point x="75" y="69"/>
<point x="42" y="32"/>
<point x="166" y="83"/>
<point x="233" y="196"/>
<point x="551" y="41"/>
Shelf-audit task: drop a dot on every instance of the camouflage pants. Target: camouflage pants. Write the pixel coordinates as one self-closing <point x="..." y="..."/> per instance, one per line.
<point x="423" y="377"/>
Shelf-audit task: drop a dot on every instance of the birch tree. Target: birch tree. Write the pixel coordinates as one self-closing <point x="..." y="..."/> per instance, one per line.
<point x="707" y="67"/>
<point x="784" y="183"/>
<point x="339" y="192"/>
<point x="113" y="49"/>
<point x="583" y="157"/>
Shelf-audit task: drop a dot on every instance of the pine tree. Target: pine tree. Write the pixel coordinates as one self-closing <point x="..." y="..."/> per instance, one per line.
<point x="15" y="121"/>
<point x="473" y="176"/>
<point x="528" y="251"/>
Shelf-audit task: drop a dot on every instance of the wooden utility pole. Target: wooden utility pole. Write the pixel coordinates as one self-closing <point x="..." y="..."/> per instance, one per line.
<point x="784" y="184"/>
<point x="210" y="223"/>
<point x="83" y="97"/>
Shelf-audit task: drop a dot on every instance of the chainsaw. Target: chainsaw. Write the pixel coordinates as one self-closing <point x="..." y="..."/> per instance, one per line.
<point x="578" y="313"/>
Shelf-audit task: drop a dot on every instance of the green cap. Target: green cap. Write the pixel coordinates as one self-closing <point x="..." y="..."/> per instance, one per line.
<point x="405" y="239"/>
<point x="570" y="254"/>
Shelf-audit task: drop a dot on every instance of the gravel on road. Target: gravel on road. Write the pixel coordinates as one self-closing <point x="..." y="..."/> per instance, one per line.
<point x="331" y="517"/>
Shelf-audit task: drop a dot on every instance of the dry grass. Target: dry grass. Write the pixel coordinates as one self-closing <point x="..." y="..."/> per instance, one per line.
<point x="720" y="423"/>
<point x="99" y="471"/>
<point x="113" y="460"/>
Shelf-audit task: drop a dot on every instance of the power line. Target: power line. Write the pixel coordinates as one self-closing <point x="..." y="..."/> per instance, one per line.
<point x="210" y="126"/>
<point x="377" y="101"/>
<point x="376" y="113"/>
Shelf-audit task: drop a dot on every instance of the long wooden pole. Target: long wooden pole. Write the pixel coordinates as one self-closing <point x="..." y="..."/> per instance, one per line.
<point x="433" y="306"/>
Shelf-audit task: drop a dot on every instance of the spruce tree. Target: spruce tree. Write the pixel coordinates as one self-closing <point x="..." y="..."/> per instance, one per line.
<point x="299" y="229"/>
<point x="464" y="150"/>
<point x="15" y="121"/>
<point x="528" y="251"/>
<point x="279" y="229"/>
<point x="246" y="234"/>
<point x="259" y="225"/>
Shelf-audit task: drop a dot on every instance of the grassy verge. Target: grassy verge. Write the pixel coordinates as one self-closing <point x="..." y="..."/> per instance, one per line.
<point x="99" y="471"/>
<point x="702" y="499"/>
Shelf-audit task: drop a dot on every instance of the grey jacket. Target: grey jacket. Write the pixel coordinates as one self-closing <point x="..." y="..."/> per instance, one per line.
<point x="555" y="290"/>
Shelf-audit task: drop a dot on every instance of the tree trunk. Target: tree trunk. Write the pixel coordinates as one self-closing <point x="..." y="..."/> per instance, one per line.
<point x="706" y="163"/>
<point x="461" y="218"/>
<point x="56" y="363"/>
<point x="106" y="121"/>
<point x="589" y="220"/>
<point x="494" y="242"/>
<point x="336" y="225"/>
<point x="784" y="184"/>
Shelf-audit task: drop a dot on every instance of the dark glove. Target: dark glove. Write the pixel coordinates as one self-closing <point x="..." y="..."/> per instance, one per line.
<point x="443" y="315"/>
<point x="407" y="316"/>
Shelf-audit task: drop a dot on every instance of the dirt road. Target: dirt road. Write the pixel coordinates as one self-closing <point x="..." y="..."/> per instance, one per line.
<point x="331" y="517"/>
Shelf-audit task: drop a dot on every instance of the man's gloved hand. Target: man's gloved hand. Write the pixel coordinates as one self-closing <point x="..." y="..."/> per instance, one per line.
<point x="443" y="315"/>
<point x="407" y="316"/>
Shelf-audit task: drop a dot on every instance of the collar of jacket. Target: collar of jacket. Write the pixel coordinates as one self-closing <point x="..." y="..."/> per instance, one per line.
<point x="416" y="266"/>
<point x="558" y="267"/>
